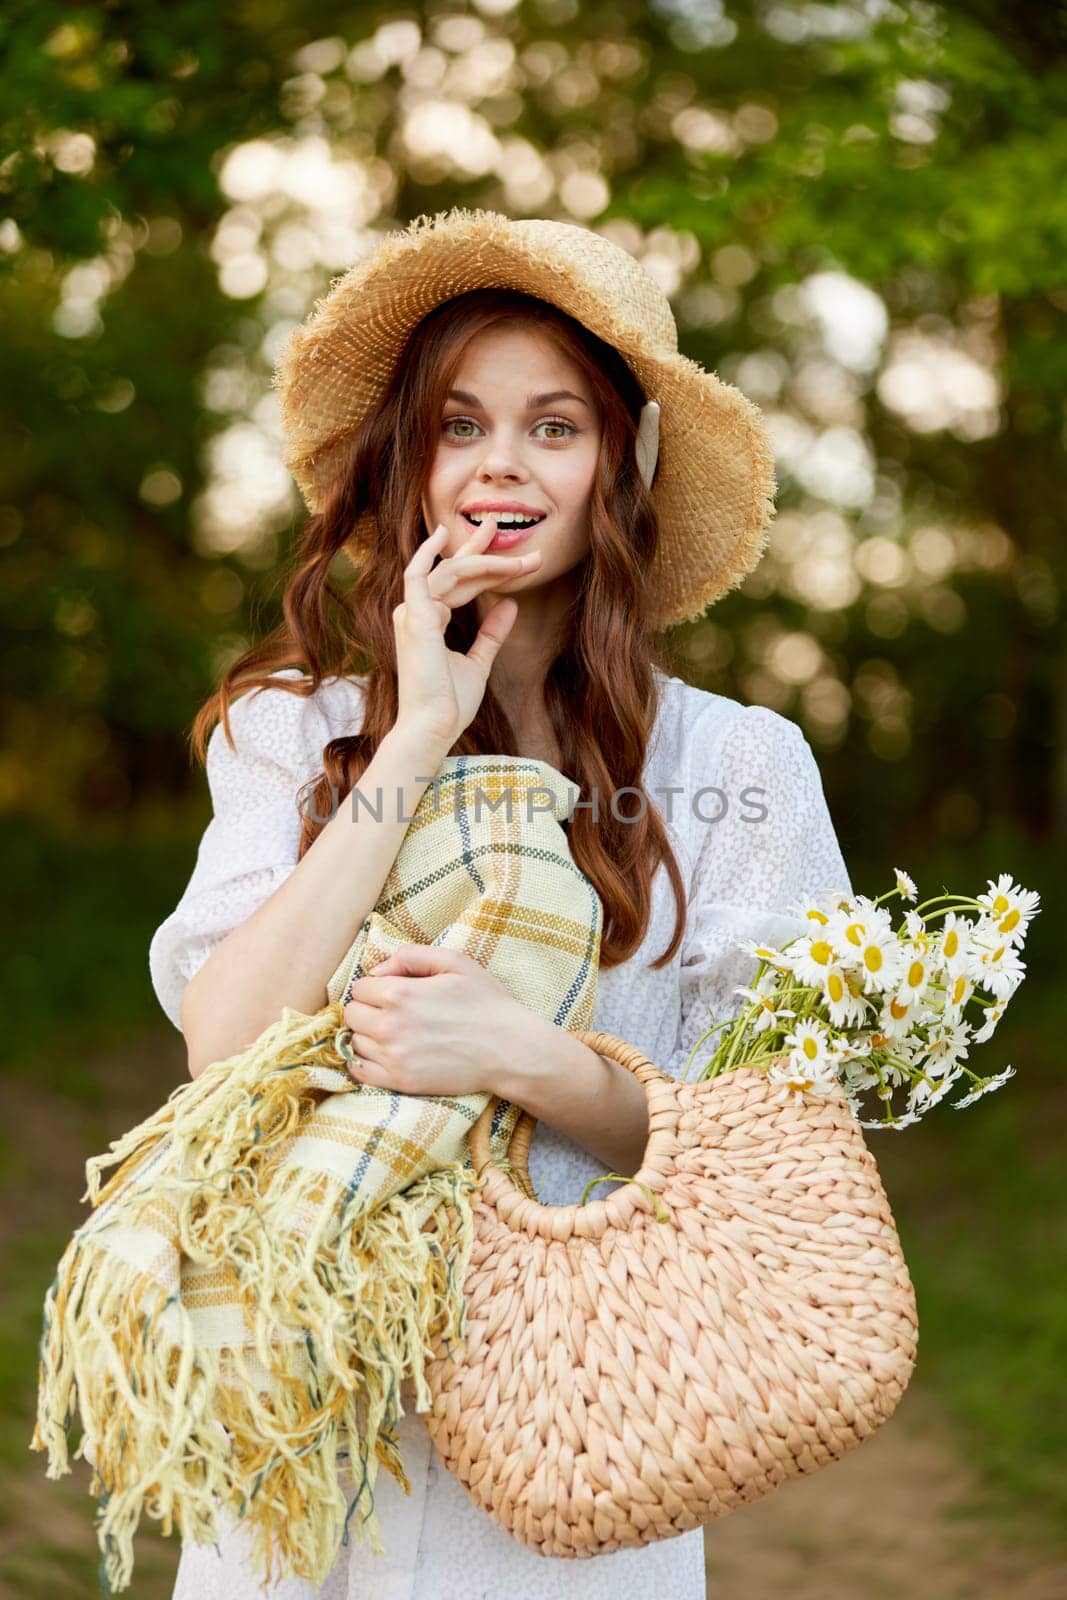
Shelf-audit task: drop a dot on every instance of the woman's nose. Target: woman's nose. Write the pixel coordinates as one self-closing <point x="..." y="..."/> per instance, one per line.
<point x="501" y="460"/>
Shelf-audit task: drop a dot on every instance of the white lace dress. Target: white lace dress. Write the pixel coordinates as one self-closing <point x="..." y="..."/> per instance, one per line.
<point x="751" y="831"/>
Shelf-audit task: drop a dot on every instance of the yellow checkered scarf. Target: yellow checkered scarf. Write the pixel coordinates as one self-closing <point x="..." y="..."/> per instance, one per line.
<point x="265" y="1266"/>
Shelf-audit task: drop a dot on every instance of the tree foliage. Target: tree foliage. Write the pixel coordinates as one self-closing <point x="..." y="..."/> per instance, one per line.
<point x="785" y="168"/>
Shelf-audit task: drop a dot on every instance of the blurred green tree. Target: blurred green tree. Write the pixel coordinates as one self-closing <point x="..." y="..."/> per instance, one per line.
<point x="857" y="210"/>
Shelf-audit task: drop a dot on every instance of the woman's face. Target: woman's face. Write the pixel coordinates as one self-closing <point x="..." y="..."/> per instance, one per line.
<point x="509" y="435"/>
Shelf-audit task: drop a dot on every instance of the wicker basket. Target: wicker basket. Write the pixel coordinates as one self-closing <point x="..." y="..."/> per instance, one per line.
<point x="630" y="1372"/>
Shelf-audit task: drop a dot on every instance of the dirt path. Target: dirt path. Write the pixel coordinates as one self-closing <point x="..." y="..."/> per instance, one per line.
<point x="897" y="1519"/>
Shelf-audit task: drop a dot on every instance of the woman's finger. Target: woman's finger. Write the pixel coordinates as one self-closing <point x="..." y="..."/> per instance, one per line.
<point x="492" y="633"/>
<point x="426" y="551"/>
<point x="415" y="573"/>
<point x="365" y="1070"/>
<point x="423" y="610"/>
<point x="457" y="573"/>
<point x="422" y="606"/>
<point x="362" y="1013"/>
<point x="362" y="1044"/>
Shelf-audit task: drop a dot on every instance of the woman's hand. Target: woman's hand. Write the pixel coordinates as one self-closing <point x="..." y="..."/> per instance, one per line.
<point x="438" y="687"/>
<point x="433" y="1021"/>
<point x="429" y="1020"/>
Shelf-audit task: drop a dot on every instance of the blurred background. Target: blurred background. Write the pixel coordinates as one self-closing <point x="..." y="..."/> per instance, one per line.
<point x="857" y="211"/>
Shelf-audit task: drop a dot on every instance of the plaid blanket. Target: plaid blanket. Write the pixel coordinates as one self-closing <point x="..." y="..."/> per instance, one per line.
<point x="266" y="1265"/>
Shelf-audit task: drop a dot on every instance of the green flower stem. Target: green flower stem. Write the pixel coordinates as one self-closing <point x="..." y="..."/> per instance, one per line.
<point x="726" y="1058"/>
<point x="885" y="1094"/>
<point x="705" y="1035"/>
<point x="662" y="1214"/>
<point x="951" y="903"/>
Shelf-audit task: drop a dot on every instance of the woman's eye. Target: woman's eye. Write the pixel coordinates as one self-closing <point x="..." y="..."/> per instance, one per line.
<point x="546" y="422"/>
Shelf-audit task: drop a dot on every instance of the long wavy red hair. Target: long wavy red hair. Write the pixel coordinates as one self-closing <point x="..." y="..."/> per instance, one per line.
<point x="600" y="690"/>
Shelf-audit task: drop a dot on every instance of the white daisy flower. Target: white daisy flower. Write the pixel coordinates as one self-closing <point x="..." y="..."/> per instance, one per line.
<point x="1010" y="907"/>
<point x="812" y="958"/>
<point x="766" y="984"/>
<point x="861" y="915"/>
<point x="927" y="1091"/>
<point x="899" y="1014"/>
<point x="959" y="991"/>
<point x="954" y="949"/>
<point x="992" y="1017"/>
<point x="819" y="908"/>
<point x="809" y="1043"/>
<point x="985" y="1086"/>
<point x="867" y="943"/>
<point x="888" y="1003"/>
<point x="947" y="1045"/>
<point x="768" y="1014"/>
<point x="917" y="970"/>
<point x="859" y="1045"/>
<point x="811" y="913"/>
<point x="859" y="1076"/>
<point x="905" y="885"/>
<point x="996" y="966"/>
<point x="779" y="960"/>
<point x="843" y="997"/>
<point x="881" y="960"/>
<point x="898" y="1124"/>
<point x="803" y="1077"/>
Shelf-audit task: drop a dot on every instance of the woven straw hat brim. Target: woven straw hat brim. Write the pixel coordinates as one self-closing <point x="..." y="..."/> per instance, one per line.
<point x="714" y="486"/>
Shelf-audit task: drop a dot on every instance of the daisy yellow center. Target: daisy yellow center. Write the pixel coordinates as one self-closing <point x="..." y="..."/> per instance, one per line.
<point x="1009" y="922"/>
<point x="957" y="989"/>
<point x="916" y="973"/>
<point x="810" y="1048"/>
<point x="878" y="1039"/>
<point x="818" y="916"/>
<point x="1000" y="903"/>
<point x="897" y="1010"/>
<point x="872" y="958"/>
<point x="952" y="942"/>
<point x="855" y="933"/>
<point x="834" y="987"/>
<point x="822" y="953"/>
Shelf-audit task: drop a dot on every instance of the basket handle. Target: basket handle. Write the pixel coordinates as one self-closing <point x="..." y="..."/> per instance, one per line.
<point x="605" y="1044"/>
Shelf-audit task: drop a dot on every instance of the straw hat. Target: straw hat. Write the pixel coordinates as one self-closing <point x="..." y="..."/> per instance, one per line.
<point x="714" y="481"/>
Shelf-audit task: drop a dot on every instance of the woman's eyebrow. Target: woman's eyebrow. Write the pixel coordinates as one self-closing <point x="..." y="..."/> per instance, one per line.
<point x="532" y="400"/>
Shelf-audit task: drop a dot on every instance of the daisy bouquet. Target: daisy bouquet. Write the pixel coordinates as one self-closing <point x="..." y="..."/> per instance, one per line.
<point x="862" y="1006"/>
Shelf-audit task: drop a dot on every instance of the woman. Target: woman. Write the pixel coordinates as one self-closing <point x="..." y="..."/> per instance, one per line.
<point x="475" y="373"/>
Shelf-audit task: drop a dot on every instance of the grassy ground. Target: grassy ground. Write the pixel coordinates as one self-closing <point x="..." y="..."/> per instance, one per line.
<point x="977" y="1196"/>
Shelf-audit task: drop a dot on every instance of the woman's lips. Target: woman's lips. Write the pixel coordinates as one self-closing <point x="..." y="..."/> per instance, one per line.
<point x="508" y="538"/>
<point x="505" y="538"/>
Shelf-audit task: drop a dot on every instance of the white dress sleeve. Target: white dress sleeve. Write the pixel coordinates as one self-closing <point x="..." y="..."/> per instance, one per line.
<point x="252" y="842"/>
<point x="768" y="849"/>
